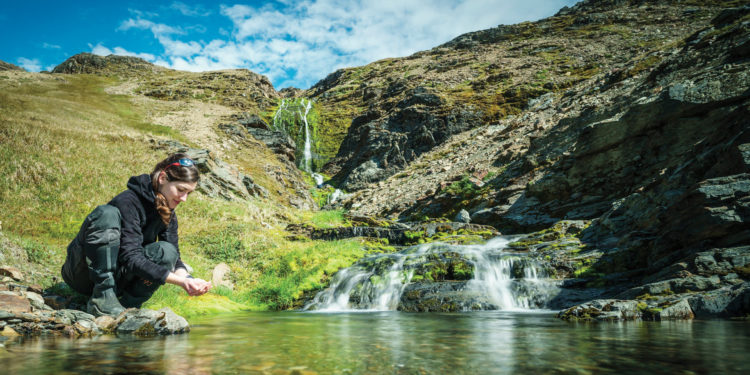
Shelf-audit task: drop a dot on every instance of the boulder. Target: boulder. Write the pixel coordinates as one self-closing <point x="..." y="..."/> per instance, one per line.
<point x="146" y="322"/>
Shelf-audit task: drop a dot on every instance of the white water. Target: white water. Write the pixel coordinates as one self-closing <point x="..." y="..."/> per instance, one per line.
<point x="307" y="153"/>
<point x="334" y="197"/>
<point x="493" y="279"/>
<point x="318" y="178"/>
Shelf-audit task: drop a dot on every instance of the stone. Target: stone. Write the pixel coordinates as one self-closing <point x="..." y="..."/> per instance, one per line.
<point x="677" y="311"/>
<point x="106" y="323"/>
<point x="219" y="276"/>
<point x="145" y="322"/>
<point x="9" y="332"/>
<point x="37" y="302"/>
<point x="12" y="302"/>
<point x="11" y="272"/>
<point x="463" y="217"/>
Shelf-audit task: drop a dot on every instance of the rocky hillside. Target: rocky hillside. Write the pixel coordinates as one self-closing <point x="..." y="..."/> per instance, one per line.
<point x="401" y="108"/>
<point x="8" y="66"/>
<point x="208" y="108"/>
<point x="653" y="147"/>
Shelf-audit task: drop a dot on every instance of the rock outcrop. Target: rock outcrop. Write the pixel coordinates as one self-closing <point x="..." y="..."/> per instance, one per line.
<point x="29" y="311"/>
<point x="8" y="66"/>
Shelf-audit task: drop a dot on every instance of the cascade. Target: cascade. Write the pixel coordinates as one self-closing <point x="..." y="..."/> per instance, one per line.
<point x="307" y="154"/>
<point x="502" y="280"/>
<point x="334" y="196"/>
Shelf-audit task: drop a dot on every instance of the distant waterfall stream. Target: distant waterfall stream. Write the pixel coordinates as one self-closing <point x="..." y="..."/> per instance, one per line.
<point x="440" y="277"/>
<point x="292" y="118"/>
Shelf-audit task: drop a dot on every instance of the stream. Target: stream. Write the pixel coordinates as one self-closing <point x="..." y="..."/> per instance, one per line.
<point x="499" y="342"/>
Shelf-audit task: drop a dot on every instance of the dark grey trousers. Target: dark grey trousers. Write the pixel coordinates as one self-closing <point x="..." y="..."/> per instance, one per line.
<point x="102" y="228"/>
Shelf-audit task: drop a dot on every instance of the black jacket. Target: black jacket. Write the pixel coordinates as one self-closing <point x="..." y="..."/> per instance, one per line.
<point x="142" y="225"/>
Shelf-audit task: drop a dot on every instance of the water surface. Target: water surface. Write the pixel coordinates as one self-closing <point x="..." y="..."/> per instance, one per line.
<point x="398" y="343"/>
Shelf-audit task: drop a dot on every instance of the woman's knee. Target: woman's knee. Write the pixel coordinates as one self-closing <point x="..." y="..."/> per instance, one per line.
<point x="103" y="225"/>
<point x="162" y="253"/>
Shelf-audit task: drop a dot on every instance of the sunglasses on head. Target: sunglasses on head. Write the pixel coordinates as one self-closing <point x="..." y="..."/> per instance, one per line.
<point x="182" y="162"/>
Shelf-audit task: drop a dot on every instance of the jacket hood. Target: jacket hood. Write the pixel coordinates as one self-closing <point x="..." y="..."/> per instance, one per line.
<point x="141" y="185"/>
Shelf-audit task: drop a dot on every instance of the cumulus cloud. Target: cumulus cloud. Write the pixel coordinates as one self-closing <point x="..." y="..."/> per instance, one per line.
<point x="32" y="65"/>
<point x="298" y="43"/>
<point x="101" y="50"/>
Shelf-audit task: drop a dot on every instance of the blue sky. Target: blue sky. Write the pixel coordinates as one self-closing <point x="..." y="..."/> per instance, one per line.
<point x="293" y="43"/>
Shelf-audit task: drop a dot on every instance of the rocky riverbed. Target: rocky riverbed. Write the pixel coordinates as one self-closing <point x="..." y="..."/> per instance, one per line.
<point x="27" y="310"/>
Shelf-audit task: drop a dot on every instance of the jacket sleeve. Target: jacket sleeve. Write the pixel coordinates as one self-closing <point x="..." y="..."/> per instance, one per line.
<point x="170" y="235"/>
<point x="131" y="242"/>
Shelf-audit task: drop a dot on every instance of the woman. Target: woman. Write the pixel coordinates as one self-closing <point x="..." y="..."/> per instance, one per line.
<point x="127" y="248"/>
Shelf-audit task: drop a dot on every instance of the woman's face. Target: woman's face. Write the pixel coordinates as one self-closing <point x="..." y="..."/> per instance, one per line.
<point x="176" y="192"/>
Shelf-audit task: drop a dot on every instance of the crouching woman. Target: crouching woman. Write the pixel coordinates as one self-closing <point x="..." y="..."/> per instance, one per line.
<point x="128" y="247"/>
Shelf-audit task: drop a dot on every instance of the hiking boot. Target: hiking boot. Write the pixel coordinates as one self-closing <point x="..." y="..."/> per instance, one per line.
<point x="102" y="261"/>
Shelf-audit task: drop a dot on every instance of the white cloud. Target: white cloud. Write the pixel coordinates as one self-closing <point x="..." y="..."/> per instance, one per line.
<point x="158" y="29"/>
<point x="299" y="43"/>
<point x="101" y="50"/>
<point x="187" y="10"/>
<point x="50" y="46"/>
<point x="32" y="65"/>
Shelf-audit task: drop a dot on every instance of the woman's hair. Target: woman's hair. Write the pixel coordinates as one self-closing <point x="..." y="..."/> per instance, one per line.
<point x="178" y="172"/>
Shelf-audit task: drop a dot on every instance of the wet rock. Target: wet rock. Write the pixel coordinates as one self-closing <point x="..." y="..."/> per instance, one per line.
<point x="602" y="310"/>
<point x="731" y="301"/>
<point x="106" y="323"/>
<point x="677" y="311"/>
<point x="442" y="297"/>
<point x="9" y="332"/>
<point x="146" y="322"/>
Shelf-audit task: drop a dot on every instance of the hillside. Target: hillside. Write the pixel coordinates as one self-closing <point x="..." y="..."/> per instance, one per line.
<point x="71" y="141"/>
<point x="395" y="110"/>
<point x="611" y="138"/>
<point x="649" y="146"/>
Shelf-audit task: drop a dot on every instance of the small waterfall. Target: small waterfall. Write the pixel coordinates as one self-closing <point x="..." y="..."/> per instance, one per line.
<point x="501" y="280"/>
<point x="334" y="196"/>
<point x="318" y="179"/>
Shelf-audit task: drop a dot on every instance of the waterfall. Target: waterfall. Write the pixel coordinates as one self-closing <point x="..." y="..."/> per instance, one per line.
<point x="292" y="118"/>
<point x="501" y="279"/>
<point x="307" y="154"/>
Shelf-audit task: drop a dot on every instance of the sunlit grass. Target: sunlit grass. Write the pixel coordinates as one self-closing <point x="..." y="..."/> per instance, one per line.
<point x="67" y="146"/>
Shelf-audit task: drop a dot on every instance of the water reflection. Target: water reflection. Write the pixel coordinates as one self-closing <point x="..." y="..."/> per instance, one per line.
<point x="398" y="343"/>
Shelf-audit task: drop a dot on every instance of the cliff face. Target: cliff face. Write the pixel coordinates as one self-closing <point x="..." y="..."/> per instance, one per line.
<point x="655" y="150"/>
<point x="402" y="108"/>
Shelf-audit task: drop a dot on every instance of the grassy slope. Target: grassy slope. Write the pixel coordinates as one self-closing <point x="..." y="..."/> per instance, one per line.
<point x="66" y="146"/>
